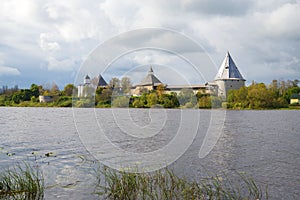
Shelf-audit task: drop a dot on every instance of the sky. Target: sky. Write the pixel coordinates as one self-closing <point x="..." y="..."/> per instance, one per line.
<point x="52" y="40"/>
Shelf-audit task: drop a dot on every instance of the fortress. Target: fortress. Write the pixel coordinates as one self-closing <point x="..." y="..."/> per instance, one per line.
<point x="227" y="78"/>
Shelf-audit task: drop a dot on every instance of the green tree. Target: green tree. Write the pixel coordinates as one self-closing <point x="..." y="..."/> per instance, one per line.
<point x="103" y="97"/>
<point x="16" y="98"/>
<point x="187" y="95"/>
<point x="69" y="90"/>
<point x="169" y="100"/>
<point x="34" y="89"/>
<point x="152" y="99"/>
<point x="204" y="102"/>
<point x="120" y="102"/>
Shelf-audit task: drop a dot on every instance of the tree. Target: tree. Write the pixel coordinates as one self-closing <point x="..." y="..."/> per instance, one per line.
<point x="103" y="96"/>
<point x="34" y="90"/>
<point x="187" y="95"/>
<point x="69" y="90"/>
<point x="274" y="87"/>
<point x="160" y="90"/>
<point x="126" y="84"/>
<point x="204" y="102"/>
<point x="54" y="89"/>
<point x="16" y="98"/>
<point x="152" y="99"/>
<point x="114" y="83"/>
<point x="120" y="102"/>
<point x="169" y="100"/>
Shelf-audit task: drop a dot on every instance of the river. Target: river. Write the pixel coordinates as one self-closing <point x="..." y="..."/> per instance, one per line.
<point x="263" y="144"/>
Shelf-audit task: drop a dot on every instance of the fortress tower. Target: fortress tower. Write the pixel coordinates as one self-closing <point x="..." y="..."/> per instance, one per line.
<point x="228" y="77"/>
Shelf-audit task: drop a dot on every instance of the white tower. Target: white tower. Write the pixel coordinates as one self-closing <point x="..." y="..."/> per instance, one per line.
<point x="228" y="77"/>
<point x="83" y="88"/>
<point x="87" y="80"/>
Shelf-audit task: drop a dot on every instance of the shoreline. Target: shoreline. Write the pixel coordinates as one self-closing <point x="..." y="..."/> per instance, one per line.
<point x="179" y="108"/>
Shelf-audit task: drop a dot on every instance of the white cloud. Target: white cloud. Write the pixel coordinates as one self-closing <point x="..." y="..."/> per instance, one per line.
<point x="10" y="71"/>
<point x="67" y="64"/>
<point x="61" y="33"/>
<point x="46" y="44"/>
<point x="284" y="21"/>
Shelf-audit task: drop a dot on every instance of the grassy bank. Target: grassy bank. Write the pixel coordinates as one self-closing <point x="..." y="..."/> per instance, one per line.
<point x="164" y="184"/>
<point x="21" y="183"/>
<point x="27" y="183"/>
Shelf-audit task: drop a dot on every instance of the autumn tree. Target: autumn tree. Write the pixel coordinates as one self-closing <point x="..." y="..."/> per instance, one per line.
<point x="160" y="90"/>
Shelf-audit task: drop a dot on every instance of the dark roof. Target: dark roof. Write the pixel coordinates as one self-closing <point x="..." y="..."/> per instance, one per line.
<point x="295" y="96"/>
<point x="86" y="77"/>
<point x="99" y="81"/>
<point x="228" y="69"/>
<point x="150" y="79"/>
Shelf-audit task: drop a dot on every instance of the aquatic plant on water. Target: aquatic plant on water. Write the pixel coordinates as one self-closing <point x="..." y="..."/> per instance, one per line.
<point x="21" y="182"/>
<point x="165" y="185"/>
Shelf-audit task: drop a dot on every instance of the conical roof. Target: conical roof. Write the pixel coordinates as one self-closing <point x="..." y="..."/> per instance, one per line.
<point x="228" y="69"/>
<point x="101" y="81"/>
<point x="150" y="79"/>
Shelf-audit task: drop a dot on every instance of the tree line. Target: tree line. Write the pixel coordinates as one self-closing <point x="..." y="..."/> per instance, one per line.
<point x="262" y="96"/>
<point x="117" y="94"/>
<point x="30" y="97"/>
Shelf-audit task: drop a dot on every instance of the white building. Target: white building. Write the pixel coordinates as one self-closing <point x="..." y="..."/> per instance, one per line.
<point x="89" y="86"/>
<point x="83" y="89"/>
<point x="45" y="99"/>
<point x="228" y="77"/>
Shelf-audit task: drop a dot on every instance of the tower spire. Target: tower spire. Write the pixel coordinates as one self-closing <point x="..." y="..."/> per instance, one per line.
<point x="228" y="69"/>
<point x="228" y="77"/>
<point x="150" y="70"/>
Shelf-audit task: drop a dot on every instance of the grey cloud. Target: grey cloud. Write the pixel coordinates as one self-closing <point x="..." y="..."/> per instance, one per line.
<point x="216" y="7"/>
<point x="263" y="36"/>
<point x="157" y="38"/>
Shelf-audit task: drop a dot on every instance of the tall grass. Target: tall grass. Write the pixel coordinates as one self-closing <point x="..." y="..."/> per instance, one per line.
<point x="21" y="182"/>
<point x="165" y="185"/>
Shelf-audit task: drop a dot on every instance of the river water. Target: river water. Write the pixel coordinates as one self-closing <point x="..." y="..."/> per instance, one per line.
<point x="263" y="144"/>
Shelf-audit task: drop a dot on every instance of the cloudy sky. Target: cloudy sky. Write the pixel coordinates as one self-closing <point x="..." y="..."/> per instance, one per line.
<point x="47" y="41"/>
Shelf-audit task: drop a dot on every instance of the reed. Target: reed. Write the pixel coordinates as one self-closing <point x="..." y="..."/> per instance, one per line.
<point x="165" y="185"/>
<point x="21" y="182"/>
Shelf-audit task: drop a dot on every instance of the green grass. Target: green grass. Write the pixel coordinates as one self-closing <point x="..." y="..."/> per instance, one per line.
<point x="165" y="185"/>
<point x="21" y="183"/>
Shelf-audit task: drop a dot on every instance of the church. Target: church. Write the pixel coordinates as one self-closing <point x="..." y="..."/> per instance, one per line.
<point x="89" y="86"/>
<point x="227" y="78"/>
